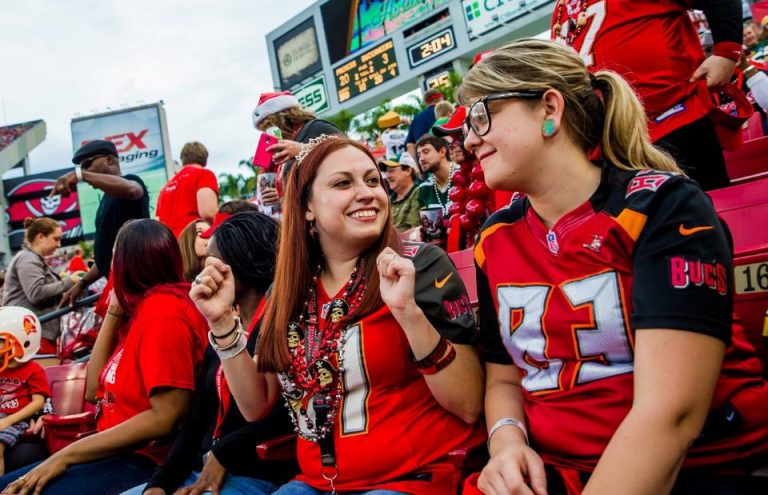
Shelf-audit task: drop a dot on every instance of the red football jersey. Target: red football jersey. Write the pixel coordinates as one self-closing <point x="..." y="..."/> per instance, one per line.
<point x="652" y="43"/>
<point x="177" y="201"/>
<point x="163" y="348"/>
<point x="564" y="304"/>
<point x="18" y="384"/>
<point x="390" y="432"/>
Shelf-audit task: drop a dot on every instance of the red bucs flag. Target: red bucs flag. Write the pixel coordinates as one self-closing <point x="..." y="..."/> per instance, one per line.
<point x="28" y="197"/>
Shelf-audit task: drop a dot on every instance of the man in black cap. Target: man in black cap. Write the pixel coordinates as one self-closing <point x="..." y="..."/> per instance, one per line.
<point x="125" y="198"/>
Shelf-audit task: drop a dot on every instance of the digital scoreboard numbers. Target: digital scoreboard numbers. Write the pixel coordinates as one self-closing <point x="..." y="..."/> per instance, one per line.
<point x="366" y="71"/>
<point x="431" y="47"/>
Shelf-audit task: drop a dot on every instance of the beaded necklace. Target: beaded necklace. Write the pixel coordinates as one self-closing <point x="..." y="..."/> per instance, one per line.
<point x="577" y="19"/>
<point x="312" y="386"/>
<point x="444" y="206"/>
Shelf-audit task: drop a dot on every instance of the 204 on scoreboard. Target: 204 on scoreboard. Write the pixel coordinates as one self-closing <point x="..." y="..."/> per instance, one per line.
<point x="366" y="71"/>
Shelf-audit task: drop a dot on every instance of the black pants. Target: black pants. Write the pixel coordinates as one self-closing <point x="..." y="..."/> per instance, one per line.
<point x="23" y="453"/>
<point x="697" y="150"/>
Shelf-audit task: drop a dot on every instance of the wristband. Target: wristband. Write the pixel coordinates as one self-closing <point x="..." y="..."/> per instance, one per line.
<point x="506" y="422"/>
<point x="116" y="315"/>
<point x="234" y="328"/>
<point x="79" y="173"/>
<point x="728" y="49"/>
<point x="434" y="356"/>
<point x="232" y="349"/>
<point x="440" y="363"/>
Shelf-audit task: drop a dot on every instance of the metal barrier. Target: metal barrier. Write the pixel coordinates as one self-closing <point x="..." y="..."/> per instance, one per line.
<point x="86" y="301"/>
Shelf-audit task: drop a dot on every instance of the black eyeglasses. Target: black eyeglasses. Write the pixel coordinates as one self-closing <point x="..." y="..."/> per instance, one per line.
<point x="85" y="164"/>
<point x="479" y="118"/>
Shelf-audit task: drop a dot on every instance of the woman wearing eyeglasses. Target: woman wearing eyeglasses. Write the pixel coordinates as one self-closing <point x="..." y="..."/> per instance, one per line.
<point x="605" y="295"/>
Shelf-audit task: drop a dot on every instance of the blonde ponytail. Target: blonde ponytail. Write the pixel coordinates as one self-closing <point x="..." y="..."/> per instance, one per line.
<point x="625" y="141"/>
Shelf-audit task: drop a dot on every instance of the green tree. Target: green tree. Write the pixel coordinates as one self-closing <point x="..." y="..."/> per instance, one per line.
<point x="239" y="186"/>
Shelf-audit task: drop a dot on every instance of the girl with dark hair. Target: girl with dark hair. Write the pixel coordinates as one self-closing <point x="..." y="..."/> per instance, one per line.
<point x="146" y="387"/>
<point x="215" y="449"/>
<point x="613" y="363"/>
<point x="369" y="342"/>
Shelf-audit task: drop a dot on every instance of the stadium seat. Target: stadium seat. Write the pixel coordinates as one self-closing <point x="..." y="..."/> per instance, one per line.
<point x="750" y="163"/>
<point x="465" y="264"/>
<point x="74" y="418"/>
<point x="753" y="127"/>
<point x="744" y="207"/>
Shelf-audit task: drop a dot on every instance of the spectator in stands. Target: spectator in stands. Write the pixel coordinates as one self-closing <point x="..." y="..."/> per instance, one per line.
<point x="147" y="385"/>
<point x="673" y="83"/>
<point x="31" y="283"/>
<point x="423" y="121"/>
<point x="215" y="449"/>
<point x="435" y="161"/>
<point x="591" y="235"/>
<point x="76" y="262"/>
<point x="192" y="246"/>
<point x="404" y="197"/>
<point x="392" y="136"/>
<point x="757" y="48"/>
<point x="297" y="125"/>
<point x="336" y="221"/>
<point x="125" y="198"/>
<point x="443" y="110"/>
<point x="24" y="385"/>
<point x="192" y="193"/>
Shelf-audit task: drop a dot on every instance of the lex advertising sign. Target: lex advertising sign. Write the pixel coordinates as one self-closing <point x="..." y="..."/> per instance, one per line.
<point x="313" y="96"/>
<point x="484" y="15"/>
<point x="138" y="136"/>
<point x="28" y="197"/>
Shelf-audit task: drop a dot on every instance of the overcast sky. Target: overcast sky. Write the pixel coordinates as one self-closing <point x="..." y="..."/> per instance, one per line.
<point x="206" y="60"/>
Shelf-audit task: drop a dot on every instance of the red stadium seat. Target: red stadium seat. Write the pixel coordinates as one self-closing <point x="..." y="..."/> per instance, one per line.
<point x="744" y="208"/>
<point x="465" y="264"/>
<point x="74" y="418"/>
<point x="753" y="127"/>
<point x="748" y="163"/>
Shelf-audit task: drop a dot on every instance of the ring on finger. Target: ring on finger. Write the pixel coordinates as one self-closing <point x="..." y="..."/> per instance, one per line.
<point x="198" y="280"/>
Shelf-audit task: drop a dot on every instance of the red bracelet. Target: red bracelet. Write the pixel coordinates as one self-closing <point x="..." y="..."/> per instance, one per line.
<point x="442" y="362"/>
<point x="434" y="356"/>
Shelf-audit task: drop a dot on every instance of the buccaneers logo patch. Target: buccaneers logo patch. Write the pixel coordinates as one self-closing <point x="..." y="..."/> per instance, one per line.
<point x="646" y="181"/>
<point x="686" y="272"/>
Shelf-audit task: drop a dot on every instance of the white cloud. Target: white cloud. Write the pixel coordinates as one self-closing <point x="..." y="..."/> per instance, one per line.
<point x="206" y="60"/>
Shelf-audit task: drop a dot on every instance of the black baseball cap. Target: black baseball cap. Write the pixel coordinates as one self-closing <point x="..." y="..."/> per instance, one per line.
<point x="94" y="148"/>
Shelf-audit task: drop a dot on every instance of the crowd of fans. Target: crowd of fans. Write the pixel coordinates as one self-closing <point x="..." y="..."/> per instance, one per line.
<point x="604" y="357"/>
<point x="9" y="133"/>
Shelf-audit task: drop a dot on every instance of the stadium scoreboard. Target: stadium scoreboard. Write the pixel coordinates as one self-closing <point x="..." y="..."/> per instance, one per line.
<point x="352" y="54"/>
<point x="371" y="69"/>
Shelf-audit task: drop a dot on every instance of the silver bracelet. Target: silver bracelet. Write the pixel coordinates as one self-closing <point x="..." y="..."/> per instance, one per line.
<point x="507" y="422"/>
<point x="235" y="347"/>
<point x="79" y="173"/>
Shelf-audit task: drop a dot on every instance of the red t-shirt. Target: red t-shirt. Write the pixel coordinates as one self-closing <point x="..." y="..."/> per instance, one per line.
<point x="177" y="202"/>
<point x="163" y="347"/>
<point x="18" y="384"/>
<point x="390" y="432"/>
<point x="651" y="43"/>
<point x="77" y="264"/>
<point x="564" y="305"/>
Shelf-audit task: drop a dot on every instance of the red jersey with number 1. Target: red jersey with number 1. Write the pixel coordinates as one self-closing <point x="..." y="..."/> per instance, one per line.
<point x="390" y="432"/>
<point x="564" y="305"/>
<point x="651" y="43"/>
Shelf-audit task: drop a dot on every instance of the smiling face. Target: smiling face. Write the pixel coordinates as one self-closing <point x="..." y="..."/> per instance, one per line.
<point x="347" y="202"/>
<point x="509" y="151"/>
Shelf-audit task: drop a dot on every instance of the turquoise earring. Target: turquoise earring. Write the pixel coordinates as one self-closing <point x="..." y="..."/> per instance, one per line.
<point x="549" y="129"/>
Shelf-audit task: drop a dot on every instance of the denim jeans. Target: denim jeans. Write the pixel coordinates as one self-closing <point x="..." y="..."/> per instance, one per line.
<point x="233" y="485"/>
<point x="110" y="476"/>
<point x="300" y="488"/>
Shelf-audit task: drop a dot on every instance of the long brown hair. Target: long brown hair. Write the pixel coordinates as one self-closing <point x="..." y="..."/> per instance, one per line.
<point x="299" y="254"/>
<point x="193" y="265"/>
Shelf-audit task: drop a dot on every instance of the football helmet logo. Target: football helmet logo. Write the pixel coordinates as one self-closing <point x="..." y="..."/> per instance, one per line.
<point x="19" y="335"/>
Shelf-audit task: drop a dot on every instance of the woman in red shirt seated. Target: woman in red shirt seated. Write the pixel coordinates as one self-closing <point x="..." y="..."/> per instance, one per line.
<point x="146" y="387"/>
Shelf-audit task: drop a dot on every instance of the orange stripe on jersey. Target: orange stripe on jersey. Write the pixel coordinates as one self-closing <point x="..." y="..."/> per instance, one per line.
<point x="632" y="222"/>
<point x="479" y="251"/>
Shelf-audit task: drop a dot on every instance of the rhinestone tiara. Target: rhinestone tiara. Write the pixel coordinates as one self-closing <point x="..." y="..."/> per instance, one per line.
<point x="310" y="145"/>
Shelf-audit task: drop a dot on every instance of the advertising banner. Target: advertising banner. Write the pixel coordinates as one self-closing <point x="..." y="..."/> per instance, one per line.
<point x="28" y="197"/>
<point x="313" y="96"/>
<point x="484" y="15"/>
<point x="298" y="55"/>
<point x="138" y="136"/>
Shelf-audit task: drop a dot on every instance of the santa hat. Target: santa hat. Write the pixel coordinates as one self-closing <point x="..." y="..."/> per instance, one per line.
<point x="271" y="103"/>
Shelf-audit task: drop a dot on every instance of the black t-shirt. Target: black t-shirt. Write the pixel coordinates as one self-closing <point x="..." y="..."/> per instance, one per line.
<point x="111" y="215"/>
<point x="310" y="130"/>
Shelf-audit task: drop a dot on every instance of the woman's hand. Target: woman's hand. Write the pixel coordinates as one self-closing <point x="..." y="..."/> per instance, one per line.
<point x="397" y="279"/>
<point x="114" y="305"/>
<point x="514" y="470"/>
<point x="213" y="292"/>
<point x="75" y="277"/>
<point x="34" y="481"/>
<point x="284" y="150"/>
<point x="211" y="479"/>
<point x="154" y="491"/>
<point x="36" y="427"/>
